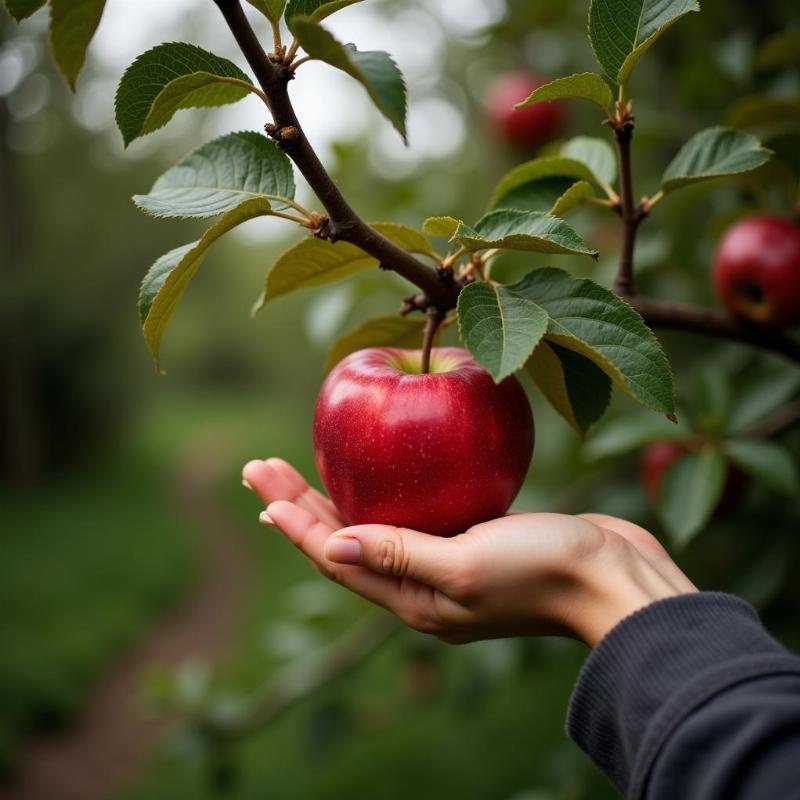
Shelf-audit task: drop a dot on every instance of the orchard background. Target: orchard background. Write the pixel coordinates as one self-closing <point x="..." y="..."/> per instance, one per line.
<point x="121" y="510"/>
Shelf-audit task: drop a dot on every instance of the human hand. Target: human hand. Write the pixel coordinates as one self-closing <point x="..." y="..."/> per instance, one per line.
<point x="523" y="574"/>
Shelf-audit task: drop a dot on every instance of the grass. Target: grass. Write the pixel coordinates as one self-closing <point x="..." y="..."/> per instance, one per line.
<point x="86" y="562"/>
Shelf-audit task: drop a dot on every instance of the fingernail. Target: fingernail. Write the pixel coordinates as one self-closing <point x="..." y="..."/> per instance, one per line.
<point x="265" y="519"/>
<point x="246" y="484"/>
<point x="343" y="550"/>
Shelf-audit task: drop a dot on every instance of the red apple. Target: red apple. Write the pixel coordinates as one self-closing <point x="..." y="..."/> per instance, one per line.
<point x="756" y="270"/>
<point x="527" y="128"/>
<point x="436" y="452"/>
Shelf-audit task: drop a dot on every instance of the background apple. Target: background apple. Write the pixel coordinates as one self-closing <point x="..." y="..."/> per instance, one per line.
<point x="756" y="270"/>
<point x="529" y="127"/>
<point x="658" y="457"/>
<point x="436" y="452"/>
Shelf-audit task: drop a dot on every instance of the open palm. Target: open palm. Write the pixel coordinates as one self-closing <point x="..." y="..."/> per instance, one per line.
<point x="522" y="574"/>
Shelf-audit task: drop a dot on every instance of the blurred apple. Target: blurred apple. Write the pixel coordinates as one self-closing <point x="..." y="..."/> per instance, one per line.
<point x="526" y="128"/>
<point x="756" y="270"/>
<point x="658" y="457"/>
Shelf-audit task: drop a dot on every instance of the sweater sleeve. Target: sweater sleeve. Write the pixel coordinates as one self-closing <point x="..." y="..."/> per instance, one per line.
<point x="691" y="698"/>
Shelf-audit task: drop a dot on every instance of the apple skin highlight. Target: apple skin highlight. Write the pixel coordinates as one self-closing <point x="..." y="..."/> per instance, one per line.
<point x="435" y="452"/>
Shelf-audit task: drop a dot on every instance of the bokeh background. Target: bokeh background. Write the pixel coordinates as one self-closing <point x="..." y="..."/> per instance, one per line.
<point x="135" y="583"/>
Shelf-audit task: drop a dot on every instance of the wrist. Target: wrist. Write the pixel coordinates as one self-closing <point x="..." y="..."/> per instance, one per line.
<point x="615" y="584"/>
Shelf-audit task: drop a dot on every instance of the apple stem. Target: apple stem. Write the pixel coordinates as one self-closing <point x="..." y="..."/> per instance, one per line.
<point x="434" y="319"/>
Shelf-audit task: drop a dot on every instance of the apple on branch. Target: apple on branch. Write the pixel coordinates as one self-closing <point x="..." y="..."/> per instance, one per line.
<point x="756" y="270"/>
<point x="437" y="452"/>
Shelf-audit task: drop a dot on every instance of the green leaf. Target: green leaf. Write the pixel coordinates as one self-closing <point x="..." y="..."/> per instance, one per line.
<point x="441" y="226"/>
<point x="514" y="185"/>
<point x="596" y="154"/>
<point x="21" y="9"/>
<point x="314" y="262"/>
<point x="714" y="153"/>
<point x="759" y="111"/>
<point x="499" y="327"/>
<point x="576" y="387"/>
<point x="375" y="70"/>
<point x="541" y="195"/>
<point x="690" y="492"/>
<point x="410" y="239"/>
<point x="219" y="176"/>
<point x="271" y="9"/>
<point x="625" y="434"/>
<point x="171" y="77"/>
<point x="768" y="386"/>
<point x="622" y="31"/>
<point x="782" y="49"/>
<point x="579" y="194"/>
<point x="166" y="280"/>
<point x="404" y="332"/>
<point x="585" y="85"/>
<point x="510" y="229"/>
<point x="553" y="185"/>
<point x="766" y="462"/>
<point x="72" y="26"/>
<point x="315" y="9"/>
<point x="595" y="322"/>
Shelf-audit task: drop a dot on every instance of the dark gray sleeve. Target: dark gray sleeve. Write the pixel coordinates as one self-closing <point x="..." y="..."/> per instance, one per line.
<point x="691" y="699"/>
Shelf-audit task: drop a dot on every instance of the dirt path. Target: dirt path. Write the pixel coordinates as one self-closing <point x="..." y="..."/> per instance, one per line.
<point x="107" y="744"/>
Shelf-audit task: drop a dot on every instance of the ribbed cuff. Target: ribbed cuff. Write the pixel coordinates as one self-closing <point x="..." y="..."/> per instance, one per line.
<point x="687" y="646"/>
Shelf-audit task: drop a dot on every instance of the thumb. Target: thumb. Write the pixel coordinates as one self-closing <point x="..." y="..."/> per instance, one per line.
<point x="401" y="552"/>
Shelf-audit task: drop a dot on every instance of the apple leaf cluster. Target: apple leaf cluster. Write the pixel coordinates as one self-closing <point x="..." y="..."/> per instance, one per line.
<point x="576" y="338"/>
<point x="718" y="435"/>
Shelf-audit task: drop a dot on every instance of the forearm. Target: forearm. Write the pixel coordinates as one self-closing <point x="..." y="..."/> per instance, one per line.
<point x="691" y="698"/>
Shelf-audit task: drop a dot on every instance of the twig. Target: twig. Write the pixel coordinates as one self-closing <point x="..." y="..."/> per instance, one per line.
<point x="300" y="61"/>
<point x="345" y="224"/>
<point x="276" y="36"/>
<point x="292" y="218"/>
<point x="783" y="419"/>
<point x="300" y="680"/>
<point x="631" y="217"/>
<point x="292" y="51"/>
<point x="696" y="319"/>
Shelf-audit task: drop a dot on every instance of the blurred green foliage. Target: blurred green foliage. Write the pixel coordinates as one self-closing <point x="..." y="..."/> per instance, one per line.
<point x="80" y="575"/>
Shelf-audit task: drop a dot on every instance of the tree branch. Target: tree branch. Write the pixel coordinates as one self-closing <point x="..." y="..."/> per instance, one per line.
<point x="659" y="314"/>
<point x="631" y="216"/>
<point x="345" y="223"/>
<point x="782" y="420"/>
<point x="677" y="316"/>
<point x="299" y="680"/>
